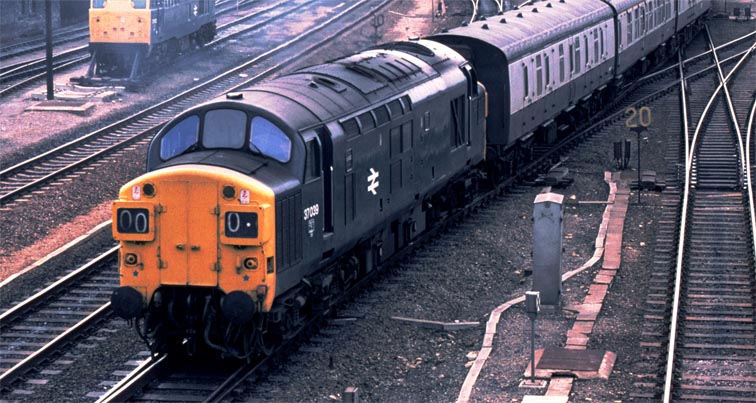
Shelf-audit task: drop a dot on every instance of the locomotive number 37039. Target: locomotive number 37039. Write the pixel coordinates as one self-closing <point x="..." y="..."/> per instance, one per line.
<point x="311" y="212"/>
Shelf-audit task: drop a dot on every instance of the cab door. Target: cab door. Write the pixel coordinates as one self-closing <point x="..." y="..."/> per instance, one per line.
<point x="188" y="223"/>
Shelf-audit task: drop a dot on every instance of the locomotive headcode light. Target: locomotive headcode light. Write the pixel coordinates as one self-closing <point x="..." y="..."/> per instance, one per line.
<point x="133" y="220"/>
<point x="240" y="224"/>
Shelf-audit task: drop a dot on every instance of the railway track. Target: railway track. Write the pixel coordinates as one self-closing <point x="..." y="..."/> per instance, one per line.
<point x="38" y="329"/>
<point x="55" y="164"/>
<point x="701" y="302"/>
<point x="60" y="37"/>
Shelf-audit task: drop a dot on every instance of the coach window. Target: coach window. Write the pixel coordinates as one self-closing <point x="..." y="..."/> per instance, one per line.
<point x="595" y="45"/>
<point x="572" y="58"/>
<point x="587" y="50"/>
<point x="637" y="21"/>
<point x="619" y="34"/>
<point x="629" y="27"/>
<point x="224" y="128"/>
<point x="179" y="138"/>
<point x="643" y="19"/>
<point x="668" y="9"/>
<point x="547" y="69"/>
<point x="525" y="89"/>
<point x="539" y="76"/>
<point x="139" y="3"/>
<point x="561" y="63"/>
<point x="577" y="55"/>
<point x="268" y="139"/>
<point x="601" y="39"/>
<point x="98" y="3"/>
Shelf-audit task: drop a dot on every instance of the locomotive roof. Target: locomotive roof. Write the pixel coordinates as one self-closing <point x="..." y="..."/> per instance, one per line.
<point x="345" y="86"/>
<point x="532" y="26"/>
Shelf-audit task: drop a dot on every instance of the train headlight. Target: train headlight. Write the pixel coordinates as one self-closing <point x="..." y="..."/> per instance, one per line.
<point x="130" y="259"/>
<point x="240" y="224"/>
<point x="250" y="263"/>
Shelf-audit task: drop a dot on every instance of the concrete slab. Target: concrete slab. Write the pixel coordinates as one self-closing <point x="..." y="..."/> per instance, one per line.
<point x="78" y="107"/>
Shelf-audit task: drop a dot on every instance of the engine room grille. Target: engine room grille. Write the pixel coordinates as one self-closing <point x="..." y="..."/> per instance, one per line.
<point x="289" y="233"/>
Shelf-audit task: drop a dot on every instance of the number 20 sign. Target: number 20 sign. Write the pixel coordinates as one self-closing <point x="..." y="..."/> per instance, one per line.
<point x="638" y="117"/>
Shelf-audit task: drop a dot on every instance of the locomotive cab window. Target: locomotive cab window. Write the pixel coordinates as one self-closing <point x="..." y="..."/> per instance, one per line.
<point x="224" y="128"/>
<point x="180" y="138"/>
<point x="268" y="139"/>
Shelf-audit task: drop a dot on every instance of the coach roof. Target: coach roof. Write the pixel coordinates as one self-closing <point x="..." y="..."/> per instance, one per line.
<point x="531" y="27"/>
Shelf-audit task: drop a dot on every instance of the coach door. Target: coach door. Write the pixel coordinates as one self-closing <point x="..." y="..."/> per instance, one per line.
<point x="188" y="228"/>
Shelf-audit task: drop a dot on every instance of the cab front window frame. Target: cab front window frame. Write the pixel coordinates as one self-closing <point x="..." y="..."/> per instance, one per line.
<point x="226" y="128"/>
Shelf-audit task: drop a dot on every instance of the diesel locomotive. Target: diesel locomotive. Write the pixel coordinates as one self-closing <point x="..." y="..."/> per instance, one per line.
<point x="262" y="205"/>
<point x="125" y="34"/>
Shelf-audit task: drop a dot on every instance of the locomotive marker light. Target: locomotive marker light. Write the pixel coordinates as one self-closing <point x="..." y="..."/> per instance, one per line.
<point x="547" y="248"/>
<point x="532" y="307"/>
<point x="638" y="121"/>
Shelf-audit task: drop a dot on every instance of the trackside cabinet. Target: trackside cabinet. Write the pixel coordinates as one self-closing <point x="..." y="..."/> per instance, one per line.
<point x="547" y="247"/>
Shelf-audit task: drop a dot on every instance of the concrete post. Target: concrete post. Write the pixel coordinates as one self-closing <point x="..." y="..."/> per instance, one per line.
<point x="547" y="247"/>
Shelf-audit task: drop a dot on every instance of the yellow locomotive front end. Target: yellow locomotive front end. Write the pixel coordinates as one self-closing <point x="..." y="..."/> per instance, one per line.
<point x="119" y="21"/>
<point x="197" y="255"/>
